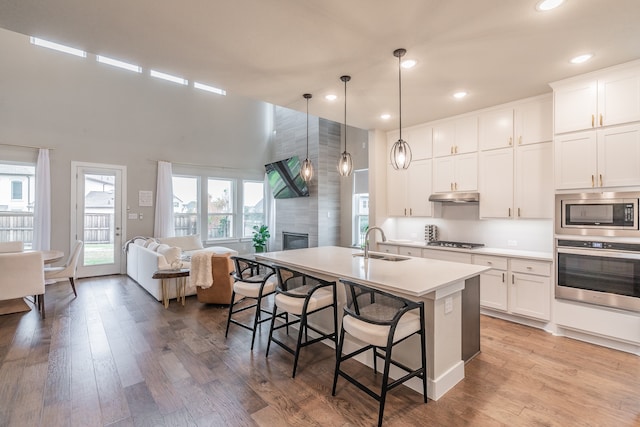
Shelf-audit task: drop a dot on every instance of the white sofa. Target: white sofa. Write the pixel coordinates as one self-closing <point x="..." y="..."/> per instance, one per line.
<point x="147" y="255"/>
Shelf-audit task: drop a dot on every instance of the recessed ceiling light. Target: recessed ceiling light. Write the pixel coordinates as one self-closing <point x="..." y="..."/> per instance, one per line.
<point x="385" y="116"/>
<point x="545" y="5"/>
<point x="460" y="95"/>
<point x="331" y="97"/>
<point x="581" y="58"/>
<point x="409" y="63"/>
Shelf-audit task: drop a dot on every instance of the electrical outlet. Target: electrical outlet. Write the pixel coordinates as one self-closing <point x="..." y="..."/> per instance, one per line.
<point x="448" y="305"/>
<point x="133" y="216"/>
<point x="512" y="243"/>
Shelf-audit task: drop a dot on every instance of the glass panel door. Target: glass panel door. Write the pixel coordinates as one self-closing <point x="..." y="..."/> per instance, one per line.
<point x="99" y="220"/>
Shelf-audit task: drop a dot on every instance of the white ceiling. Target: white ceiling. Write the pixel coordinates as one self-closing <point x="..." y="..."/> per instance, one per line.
<point x="276" y="50"/>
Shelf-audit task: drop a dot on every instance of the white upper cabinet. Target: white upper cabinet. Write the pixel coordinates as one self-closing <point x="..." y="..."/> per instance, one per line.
<point x="495" y="129"/>
<point x="455" y="173"/>
<point x="456" y="136"/>
<point x="496" y="183"/>
<point x="533" y="121"/>
<point x="605" y="158"/>
<point x="608" y="97"/>
<point x="527" y="122"/>
<point x="534" y="181"/>
<point x="419" y="138"/>
<point x="408" y="190"/>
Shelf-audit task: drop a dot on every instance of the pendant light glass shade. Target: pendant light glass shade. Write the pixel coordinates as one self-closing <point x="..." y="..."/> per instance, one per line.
<point x="400" y="152"/>
<point x="345" y="164"/>
<point x="306" y="170"/>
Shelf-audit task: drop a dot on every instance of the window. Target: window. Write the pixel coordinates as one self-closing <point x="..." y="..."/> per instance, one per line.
<point x="360" y="206"/>
<point x="186" y="209"/>
<point x="17" y="199"/>
<point x="16" y="190"/>
<point x="220" y="208"/>
<point x="252" y="206"/>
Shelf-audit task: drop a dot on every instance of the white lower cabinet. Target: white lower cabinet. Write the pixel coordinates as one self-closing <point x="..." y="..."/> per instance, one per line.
<point x="516" y="286"/>
<point x="444" y="255"/>
<point x="387" y="248"/>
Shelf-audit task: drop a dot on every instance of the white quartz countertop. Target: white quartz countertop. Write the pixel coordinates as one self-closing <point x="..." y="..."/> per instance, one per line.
<point x="513" y="253"/>
<point x="414" y="276"/>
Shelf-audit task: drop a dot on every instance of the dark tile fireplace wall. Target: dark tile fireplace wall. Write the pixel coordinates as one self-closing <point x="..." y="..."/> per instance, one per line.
<point x="318" y="215"/>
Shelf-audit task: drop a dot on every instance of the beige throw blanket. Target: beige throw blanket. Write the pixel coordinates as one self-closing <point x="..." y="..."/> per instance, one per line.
<point x="201" y="269"/>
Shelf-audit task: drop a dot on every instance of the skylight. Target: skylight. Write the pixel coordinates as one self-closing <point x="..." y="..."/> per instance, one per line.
<point x="59" y="47"/>
<point x="119" y="64"/>
<point x="208" y="88"/>
<point x="168" y="77"/>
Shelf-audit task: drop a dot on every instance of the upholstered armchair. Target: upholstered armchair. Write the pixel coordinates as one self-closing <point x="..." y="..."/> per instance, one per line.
<point x="220" y="290"/>
<point x="22" y="275"/>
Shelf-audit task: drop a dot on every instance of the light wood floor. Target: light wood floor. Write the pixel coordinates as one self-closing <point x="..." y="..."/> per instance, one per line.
<point x="115" y="356"/>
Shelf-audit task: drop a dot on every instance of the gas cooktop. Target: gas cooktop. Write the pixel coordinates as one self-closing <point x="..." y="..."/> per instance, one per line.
<point x="462" y="245"/>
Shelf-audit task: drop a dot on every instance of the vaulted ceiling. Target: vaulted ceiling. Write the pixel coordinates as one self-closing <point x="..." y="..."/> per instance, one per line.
<point x="276" y="50"/>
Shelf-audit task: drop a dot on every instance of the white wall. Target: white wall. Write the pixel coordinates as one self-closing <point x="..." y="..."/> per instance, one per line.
<point x="90" y="112"/>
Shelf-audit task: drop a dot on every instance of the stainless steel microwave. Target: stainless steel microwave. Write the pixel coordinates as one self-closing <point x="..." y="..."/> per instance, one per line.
<point x="598" y="214"/>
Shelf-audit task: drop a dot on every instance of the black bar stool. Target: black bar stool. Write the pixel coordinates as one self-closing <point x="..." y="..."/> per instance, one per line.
<point x="301" y="295"/>
<point x="253" y="280"/>
<point x="380" y="320"/>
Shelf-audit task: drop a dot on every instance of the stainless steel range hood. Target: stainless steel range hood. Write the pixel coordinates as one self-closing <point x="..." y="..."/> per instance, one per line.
<point x="455" y="197"/>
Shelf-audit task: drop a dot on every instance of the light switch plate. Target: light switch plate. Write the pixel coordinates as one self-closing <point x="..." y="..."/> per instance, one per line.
<point x="133" y="216"/>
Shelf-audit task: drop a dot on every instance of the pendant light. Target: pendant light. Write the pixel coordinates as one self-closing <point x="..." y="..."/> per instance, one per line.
<point x="400" y="152"/>
<point x="345" y="164"/>
<point x="306" y="171"/>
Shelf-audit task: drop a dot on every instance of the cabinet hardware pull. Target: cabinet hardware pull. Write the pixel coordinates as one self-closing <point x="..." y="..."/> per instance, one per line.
<point x="455" y="150"/>
<point x="520" y="139"/>
<point x="600" y="119"/>
<point x="518" y="212"/>
<point x="405" y="211"/>
<point x="600" y="180"/>
<point x="451" y="185"/>
<point x="452" y="149"/>
<point x="509" y="212"/>
<point x="502" y="277"/>
<point x="513" y="279"/>
<point x="529" y="267"/>
<point x="592" y="181"/>
<point x="510" y="140"/>
<point x="455" y="187"/>
<point x="410" y="214"/>
<point x="489" y="262"/>
<point x="593" y="120"/>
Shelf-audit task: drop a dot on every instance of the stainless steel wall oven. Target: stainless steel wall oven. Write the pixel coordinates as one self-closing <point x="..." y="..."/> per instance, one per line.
<point x="597" y="272"/>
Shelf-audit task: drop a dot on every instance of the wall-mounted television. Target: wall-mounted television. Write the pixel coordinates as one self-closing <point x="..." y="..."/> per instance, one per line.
<point x="285" y="180"/>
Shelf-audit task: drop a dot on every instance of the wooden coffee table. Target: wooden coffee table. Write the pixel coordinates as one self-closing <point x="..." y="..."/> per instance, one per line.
<point x="181" y="283"/>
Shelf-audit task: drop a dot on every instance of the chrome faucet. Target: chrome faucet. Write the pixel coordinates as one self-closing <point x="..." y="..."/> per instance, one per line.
<point x="366" y="240"/>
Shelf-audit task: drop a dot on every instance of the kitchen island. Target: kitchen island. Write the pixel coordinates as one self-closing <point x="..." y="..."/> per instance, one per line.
<point x="438" y="283"/>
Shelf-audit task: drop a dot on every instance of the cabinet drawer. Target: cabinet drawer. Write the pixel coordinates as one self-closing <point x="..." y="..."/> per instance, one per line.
<point x="405" y="250"/>
<point x="496" y="262"/>
<point x="541" y="268"/>
<point x="390" y="249"/>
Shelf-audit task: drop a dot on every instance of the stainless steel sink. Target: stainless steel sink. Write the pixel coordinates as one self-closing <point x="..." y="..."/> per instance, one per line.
<point x="383" y="257"/>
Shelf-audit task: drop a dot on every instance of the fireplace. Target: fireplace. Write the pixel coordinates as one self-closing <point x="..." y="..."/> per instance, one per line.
<point x="294" y="240"/>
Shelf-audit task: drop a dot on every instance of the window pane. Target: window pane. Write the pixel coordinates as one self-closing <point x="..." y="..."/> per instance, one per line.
<point x="185" y="205"/>
<point x="360" y="217"/>
<point x="16" y="190"/>
<point x="220" y="208"/>
<point x="252" y="206"/>
<point x="17" y="198"/>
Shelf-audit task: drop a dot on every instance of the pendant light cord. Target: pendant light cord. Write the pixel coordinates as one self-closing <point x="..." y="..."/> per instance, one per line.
<point x="345" y="115"/>
<point x="400" y="93"/>
<point x="307" y="125"/>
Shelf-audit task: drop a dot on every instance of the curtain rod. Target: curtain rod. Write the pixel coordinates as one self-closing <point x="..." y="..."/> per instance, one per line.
<point x="198" y="165"/>
<point x="26" y="146"/>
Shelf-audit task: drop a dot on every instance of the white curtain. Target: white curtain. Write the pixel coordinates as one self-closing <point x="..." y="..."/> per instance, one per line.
<point x="42" y="209"/>
<point x="163" y="226"/>
<point x="270" y="213"/>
